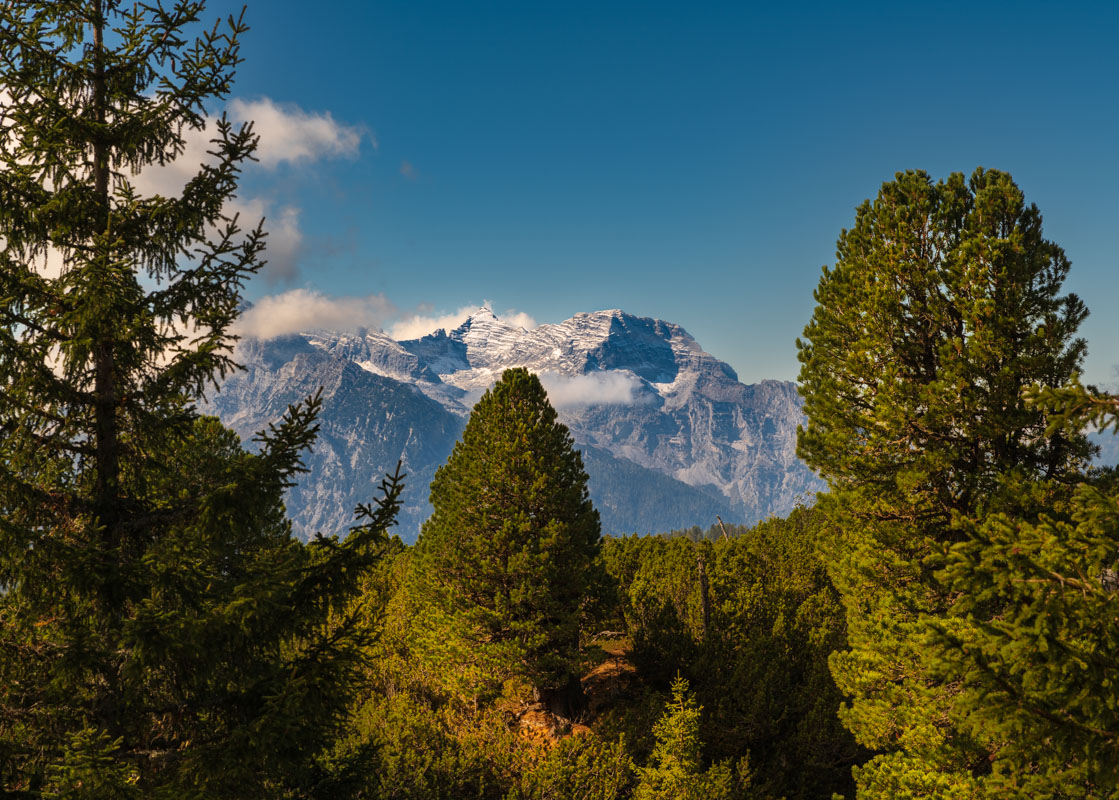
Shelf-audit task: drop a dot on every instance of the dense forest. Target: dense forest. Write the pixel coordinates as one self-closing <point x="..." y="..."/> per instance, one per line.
<point x="941" y="623"/>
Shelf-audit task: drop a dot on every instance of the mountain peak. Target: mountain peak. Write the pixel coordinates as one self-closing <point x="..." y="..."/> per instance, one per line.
<point x="483" y="314"/>
<point x="483" y="317"/>
<point x="665" y="419"/>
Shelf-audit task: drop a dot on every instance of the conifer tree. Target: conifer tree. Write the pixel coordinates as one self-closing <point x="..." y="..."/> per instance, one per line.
<point x="161" y="632"/>
<point x="676" y="761"/>
<point x="1032" y="641"/>
<point x="506" y="557"/>
<point x="943" y="306"/>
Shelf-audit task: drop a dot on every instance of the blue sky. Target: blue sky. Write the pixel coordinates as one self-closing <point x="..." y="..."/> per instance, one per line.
<point x="693" y="162"/>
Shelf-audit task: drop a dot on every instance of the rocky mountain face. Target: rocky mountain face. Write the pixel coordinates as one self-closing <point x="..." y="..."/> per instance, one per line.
<point x="670" y="437"/>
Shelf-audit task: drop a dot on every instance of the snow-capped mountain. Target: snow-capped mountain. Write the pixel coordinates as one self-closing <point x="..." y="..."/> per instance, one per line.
<point x="669" y="435"/>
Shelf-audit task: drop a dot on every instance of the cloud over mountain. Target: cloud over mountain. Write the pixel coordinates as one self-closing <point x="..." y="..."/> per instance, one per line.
<point x="591" y="389"/>
<point x="670" y="436"/>
<point x="421" y="324"/>
<point x="306" y="309"/>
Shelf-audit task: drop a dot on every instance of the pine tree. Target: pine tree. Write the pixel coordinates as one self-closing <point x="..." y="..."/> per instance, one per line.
<point x="1037" y="651"/>
<point x="161" y="632"/>
<point x="506" y="557"/>
<point x="943" y="306"/>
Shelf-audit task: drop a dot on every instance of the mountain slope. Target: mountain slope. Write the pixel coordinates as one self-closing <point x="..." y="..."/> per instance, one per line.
<point x="670" y="437"/>
<point x="368" y="423"/>
<point x="633" y="499"/>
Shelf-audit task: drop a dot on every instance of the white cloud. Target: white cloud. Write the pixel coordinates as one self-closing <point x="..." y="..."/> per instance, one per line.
<point x="49" y="264"/>
<point x="287" y="135"/>
<point x="417" y="325"/>
<point x="593" y="388"/>
<point x="169" y="179"/>
<point x="285" y="237"/>
<point x="285" y="243"/>
<point x="290" y="134"/>
<point x="519" y="319"/>
<point x="421" y="324"/>
<point x="307" y="309"/>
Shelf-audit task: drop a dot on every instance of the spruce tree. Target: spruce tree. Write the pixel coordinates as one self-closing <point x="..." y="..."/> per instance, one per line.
<point x="943" y="305"/>
<point x="505" y="559"/>
<point x="675" y="771"/>
<point x="161" y="632"/>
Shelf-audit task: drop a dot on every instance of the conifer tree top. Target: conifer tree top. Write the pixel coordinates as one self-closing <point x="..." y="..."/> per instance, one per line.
<point x="509" y="544"/>
<point x="943" y="305"/>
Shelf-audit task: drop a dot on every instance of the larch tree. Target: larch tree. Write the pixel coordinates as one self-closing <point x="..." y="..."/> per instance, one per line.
<point x="505" y="560"/>
<point x="162" y="634"/>
<point x="943" y="306"/>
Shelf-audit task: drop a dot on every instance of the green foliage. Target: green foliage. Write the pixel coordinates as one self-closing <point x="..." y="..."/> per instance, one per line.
<point x="1030" y="639"/>
<point x="418" y="753"/>
<point x="89" y="769"/>
<point x="761" y="668"/>
<point x="429" y="751"/>
<point x="675" y="772"/>
<point x="942" y="308"/>
<point x="581" y="767"/>
<point x="505" y="561"/>
<point x="663" y="607"/>
<point x="490" y="601"/>
<point x="676" y="757"/>
<point x="162" y="635"/>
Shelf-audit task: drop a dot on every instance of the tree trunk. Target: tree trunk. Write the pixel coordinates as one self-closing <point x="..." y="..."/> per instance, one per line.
<point x="567" y="702"/>
<point x="105" y="383"/>
<point x="704" y="594"/>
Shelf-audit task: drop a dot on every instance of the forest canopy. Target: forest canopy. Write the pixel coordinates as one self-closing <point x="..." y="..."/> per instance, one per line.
<point x="939" y="624"/>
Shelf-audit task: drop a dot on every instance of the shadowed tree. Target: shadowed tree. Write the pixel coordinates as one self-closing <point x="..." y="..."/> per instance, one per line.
<point x="161" y="632"/>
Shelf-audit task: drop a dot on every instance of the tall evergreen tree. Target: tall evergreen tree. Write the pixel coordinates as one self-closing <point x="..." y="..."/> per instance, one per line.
<point x="943" y="306"/>
<point x="506" y="557"/>
<point x="161" y="632"/>
<point x="1032" y="642"/>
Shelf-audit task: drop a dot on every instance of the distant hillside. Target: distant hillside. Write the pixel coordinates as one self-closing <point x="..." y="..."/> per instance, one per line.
<point x="633" y="499"/>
